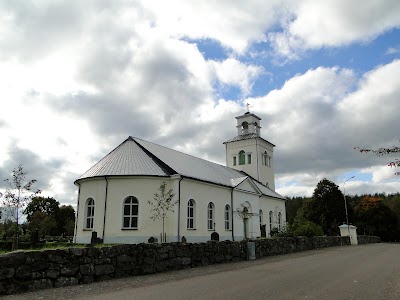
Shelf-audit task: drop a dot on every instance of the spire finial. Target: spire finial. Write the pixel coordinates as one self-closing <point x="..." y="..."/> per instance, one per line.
<point x="248" y="110"/>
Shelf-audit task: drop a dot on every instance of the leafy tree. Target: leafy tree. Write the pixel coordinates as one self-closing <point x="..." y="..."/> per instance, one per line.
<point x="45" y="224"/>
<point x="393" y="202"/>
<point x="384" y="151"/>
<point x="54" y="218"/>
<point x="66" y="220"/>
<point x="48" y="205"/>
<point x="308" y="228"/>
<point x="162" y="204"/>
<point x="292" y="206"/>
<point x="326" y="207"/>
<point x="18" y="194"/>
<point x="373" y="217"/>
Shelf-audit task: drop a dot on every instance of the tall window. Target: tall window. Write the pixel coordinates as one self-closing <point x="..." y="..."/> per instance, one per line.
<point x="279" y="220"/>
<point x="234" y="160"/>
<point x="191" y="213"/>
<point x="245" y="127"/>
<point x="89" y="213"/>
<point x="210" y="216"/>
<point x="227" y="217"/>
<point x="131" y="211"/>
<point x="249" y="158"/>
<point x="261" y="217"/>
<point x="270" y="220"/>
<point x="242" y="158"/>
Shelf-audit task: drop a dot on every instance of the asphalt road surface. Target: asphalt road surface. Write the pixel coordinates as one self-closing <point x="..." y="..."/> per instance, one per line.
<point x="350" y="272"/>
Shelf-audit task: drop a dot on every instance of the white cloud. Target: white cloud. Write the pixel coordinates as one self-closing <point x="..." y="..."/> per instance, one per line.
<point x="233" y="72"/>
<point x="333" y="23"/>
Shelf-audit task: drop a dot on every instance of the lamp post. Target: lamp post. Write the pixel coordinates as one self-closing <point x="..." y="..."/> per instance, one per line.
<point x="345" y="205"/>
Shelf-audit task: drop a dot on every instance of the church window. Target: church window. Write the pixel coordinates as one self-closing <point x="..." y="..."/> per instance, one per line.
<point x="242" y="158"/>
<point x="131" y="212"/>
<point x="249" y="158"/>
<point x="279" y="220"/>
<point x="234" y="160"/>
<point x="261" y="217"/>
<point x="89" y="213"/>
<point x="266" y="159"/>
<point x="191" y="213"/>
<point x="227" y="217"/>
<point x="210" y="216"/>
<point x="270" y="220"/>
<point x="245" y="127"/>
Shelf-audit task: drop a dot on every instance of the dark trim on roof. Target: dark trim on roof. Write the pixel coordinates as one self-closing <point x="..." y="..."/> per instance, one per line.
<point x="167" y="169"/>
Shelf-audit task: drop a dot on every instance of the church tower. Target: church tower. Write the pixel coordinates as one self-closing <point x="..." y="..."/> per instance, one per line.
<point x="250" y="153"/>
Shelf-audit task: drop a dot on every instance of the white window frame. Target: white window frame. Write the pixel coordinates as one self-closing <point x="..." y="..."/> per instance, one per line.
<point x="210" y="216"/>
<point x="191" y="215"/>
<point x="89" y="214"/>
<point x="271" y="215"/>
<point x="279" y="220"/>
<point x="132" y="203"/>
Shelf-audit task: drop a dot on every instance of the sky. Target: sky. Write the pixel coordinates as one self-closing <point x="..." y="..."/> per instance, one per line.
<point x="78" y="77"/>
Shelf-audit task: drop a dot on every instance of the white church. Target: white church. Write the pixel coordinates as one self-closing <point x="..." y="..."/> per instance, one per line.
<point x="234" y="202"/>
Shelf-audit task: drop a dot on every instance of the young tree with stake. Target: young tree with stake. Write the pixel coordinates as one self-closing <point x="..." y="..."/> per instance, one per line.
<point x="162" y="204"/>
<point x="18" y="194"/>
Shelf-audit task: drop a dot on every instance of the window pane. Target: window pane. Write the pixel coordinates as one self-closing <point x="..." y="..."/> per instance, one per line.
<point x="249" y="158"/>
<point x="126" y="222"/>
<point x="134" y="222"/>
<point x="127" y="210"/>
<point x="135" y="210"/>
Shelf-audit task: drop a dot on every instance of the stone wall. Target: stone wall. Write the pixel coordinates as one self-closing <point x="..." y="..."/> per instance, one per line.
<point x="366" y="239"/>
<point x="32" y="270"/>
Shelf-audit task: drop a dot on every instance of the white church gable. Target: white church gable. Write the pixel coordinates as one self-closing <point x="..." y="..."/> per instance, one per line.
<point x="248" y="186"/>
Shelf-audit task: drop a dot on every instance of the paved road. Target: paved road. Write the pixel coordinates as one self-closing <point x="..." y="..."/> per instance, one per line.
<point x="351" y="272"/>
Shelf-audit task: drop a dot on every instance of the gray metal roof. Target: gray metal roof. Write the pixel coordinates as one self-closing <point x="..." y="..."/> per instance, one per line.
<point x="127" y="159"/>
<point x="247" y="136"/>
<point x="191" y="166"/>
<point x="138" y="157"/>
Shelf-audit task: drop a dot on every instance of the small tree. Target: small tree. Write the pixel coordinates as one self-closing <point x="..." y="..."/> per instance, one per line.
<point x="18" y="194"/>
<point x="162" y="204"/>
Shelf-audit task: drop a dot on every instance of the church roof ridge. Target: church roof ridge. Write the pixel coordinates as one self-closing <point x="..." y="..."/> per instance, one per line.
<point x="137" y="157"/>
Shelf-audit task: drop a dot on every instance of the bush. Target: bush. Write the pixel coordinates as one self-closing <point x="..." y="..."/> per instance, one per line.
<point x="308" y="228"/>
<point x="285" y="231"/>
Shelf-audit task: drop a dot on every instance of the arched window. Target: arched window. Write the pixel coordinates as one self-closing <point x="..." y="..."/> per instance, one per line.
<point x="131" y="212"/>
<point x="261" y="216"/>
<point x="227" y="217"/>
<point x="242" y="158"/>
<point x="270" y="220"/>
<point x="245" y="125"/>
<point x="191" y="213"/>
<point x="89" y="213"/>
<point x="279" y="220"/>
<point x="210" y="216"/>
